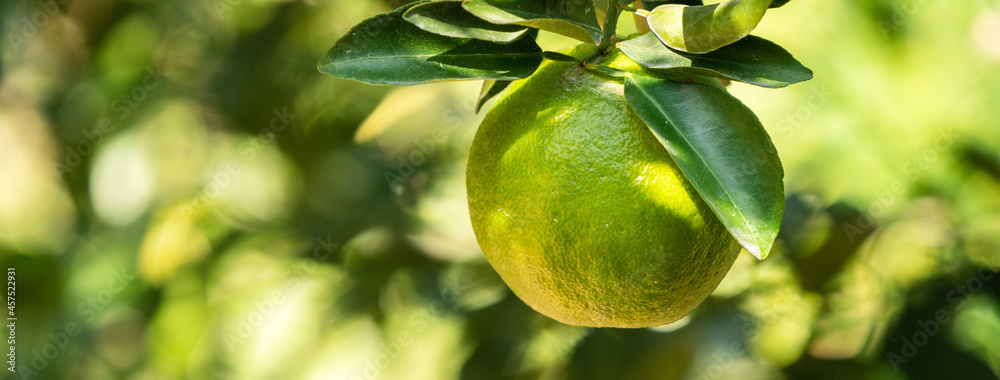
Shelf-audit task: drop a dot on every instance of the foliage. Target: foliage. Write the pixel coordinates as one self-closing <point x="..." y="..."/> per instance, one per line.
<point x="183" y="196"/>
<point x="732" y="163"/>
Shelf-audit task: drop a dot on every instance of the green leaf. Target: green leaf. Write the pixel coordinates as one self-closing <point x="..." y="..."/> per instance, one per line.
<point x="524" y="55"/>
<point x="701" y="29"/>
<point x="573" y="18"/>
<point x="490" y="89"/>
<point x="554" y="56"/>
<point x="386" y="49"/>
<point x="650" y="4"/>
<point x="752" y="60"/>
<point x="722" y="149"/>
<point x="448" y="18"/>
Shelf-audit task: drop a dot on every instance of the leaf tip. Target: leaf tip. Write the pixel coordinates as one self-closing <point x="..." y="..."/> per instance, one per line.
<point x="760" y="250"/>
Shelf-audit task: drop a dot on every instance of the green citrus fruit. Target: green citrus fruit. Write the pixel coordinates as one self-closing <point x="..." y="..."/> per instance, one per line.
<point x="582" y="211"/>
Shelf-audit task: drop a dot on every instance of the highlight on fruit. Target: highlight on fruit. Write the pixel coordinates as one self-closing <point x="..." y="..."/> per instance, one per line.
<point x="612" y="183"/>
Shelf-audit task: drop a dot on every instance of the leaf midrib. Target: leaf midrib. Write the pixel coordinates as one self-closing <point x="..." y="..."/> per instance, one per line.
<point x="425" y="56"/>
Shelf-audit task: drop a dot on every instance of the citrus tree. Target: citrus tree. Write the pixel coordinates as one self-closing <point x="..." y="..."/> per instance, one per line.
<point x="612" y="184"/>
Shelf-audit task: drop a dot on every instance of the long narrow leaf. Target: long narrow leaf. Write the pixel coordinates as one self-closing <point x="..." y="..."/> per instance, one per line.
<point x="752" y="60"/>
<point x="491" y="88"/>
<point x="650" y="4"/>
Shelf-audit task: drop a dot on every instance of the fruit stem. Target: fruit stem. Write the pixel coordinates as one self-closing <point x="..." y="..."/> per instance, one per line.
<point x="610" y="23"/>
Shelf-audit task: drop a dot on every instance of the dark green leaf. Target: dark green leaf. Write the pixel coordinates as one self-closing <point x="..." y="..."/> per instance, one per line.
<point x="522" y="55"/>
<point x="448" y="18"/>
<point x="751" y="60"/>
<point x="554" y="56"/>
<point x="490" y="89"/>
<point x="701" y="29"/>
<point x="573" y="18"/>
<point x="650" y="4"/>
<point x="386" y="49"/>
<point x="722" y="149"/>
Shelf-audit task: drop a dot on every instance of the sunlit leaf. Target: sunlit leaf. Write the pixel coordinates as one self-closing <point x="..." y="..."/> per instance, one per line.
<point x="448" y="18"/>
<point x="701" y="29"/>
<point x="387" y="49"/>
<point x="751" y="60"/>
<point x="573" y="18"/>
<point x="722" y="149"/>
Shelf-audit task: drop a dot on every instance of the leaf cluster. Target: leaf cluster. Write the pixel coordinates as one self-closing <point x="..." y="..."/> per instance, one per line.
<point x="718" y="143"/>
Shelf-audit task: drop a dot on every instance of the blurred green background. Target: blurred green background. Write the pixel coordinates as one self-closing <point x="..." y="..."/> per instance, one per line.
<point x="183" y="195"/>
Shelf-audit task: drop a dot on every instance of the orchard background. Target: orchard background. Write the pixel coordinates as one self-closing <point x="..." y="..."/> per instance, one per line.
<point x="183" y="195"/>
